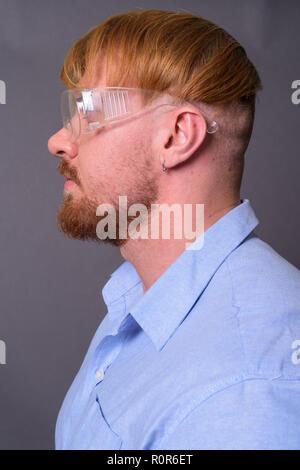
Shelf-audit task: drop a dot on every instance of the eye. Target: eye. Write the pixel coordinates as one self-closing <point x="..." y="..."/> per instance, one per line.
<point x="94" y="118"/>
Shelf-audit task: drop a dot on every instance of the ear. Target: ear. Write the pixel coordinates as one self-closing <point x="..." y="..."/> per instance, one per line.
<point x="183" y="133"/>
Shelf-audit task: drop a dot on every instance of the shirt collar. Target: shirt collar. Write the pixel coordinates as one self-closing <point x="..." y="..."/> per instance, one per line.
<point x="166" y="304"/>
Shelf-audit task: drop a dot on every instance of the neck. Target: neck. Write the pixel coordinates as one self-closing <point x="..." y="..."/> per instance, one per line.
<point x="152" y="257"/>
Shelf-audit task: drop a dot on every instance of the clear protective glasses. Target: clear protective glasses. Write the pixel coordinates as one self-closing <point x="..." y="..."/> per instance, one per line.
<point x="86" y="110"/>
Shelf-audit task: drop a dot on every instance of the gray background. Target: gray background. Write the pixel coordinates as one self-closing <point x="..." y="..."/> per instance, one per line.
<point x="51" y="286"/>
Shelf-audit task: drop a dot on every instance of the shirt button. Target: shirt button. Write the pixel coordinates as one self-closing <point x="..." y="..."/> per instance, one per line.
<point x="99" y="374"/>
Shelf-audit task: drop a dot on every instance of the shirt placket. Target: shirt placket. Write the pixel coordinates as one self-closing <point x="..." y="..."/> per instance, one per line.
<point x="108" y="350"/>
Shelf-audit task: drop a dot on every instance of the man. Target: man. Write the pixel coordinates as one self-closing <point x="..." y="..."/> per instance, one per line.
<point x="200" y="346"/>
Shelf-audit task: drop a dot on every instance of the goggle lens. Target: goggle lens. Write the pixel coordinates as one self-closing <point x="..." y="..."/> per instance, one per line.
<point x="70" y="114"/>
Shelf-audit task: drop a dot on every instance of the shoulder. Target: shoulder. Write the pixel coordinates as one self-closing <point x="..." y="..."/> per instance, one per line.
<point x="266" y="293"/>
<point x="257" y="262"/>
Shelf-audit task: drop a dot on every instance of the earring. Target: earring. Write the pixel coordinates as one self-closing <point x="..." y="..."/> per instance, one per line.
<point x="163" y="166"/>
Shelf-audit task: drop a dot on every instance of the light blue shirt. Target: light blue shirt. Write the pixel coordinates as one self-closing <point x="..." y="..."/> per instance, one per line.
<point x="207" y="358"/>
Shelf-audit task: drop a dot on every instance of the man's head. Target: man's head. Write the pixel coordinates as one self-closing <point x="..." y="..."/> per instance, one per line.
<point x="177" y="53"/>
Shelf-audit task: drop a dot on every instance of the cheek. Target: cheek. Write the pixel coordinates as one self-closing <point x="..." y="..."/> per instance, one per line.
<point x="101" y="165"/>
<point x="110" y="161"/>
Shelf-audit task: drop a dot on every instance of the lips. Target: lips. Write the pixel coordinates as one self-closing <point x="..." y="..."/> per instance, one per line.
<point x="69" y="173"/>
<point x="68" y="184"/>
<point x="68" y="178"/>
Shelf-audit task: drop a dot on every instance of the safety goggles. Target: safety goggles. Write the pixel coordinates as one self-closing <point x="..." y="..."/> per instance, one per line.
<point x="86" y="110"/>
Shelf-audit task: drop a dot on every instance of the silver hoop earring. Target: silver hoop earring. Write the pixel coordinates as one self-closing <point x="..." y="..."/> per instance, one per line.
<point x="163" y="166"/>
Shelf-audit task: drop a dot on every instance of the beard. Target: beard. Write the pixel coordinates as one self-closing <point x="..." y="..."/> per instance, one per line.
<point x="77" y="216"/>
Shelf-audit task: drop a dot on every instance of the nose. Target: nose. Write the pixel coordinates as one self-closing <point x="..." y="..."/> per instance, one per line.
<point x="61" y="145"/>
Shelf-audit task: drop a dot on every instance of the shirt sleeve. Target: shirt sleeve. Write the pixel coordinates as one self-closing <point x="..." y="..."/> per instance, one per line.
<point x="254" y="414"/>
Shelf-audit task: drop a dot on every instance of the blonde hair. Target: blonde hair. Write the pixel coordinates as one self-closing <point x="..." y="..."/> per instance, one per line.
<point x="164" y="50"/>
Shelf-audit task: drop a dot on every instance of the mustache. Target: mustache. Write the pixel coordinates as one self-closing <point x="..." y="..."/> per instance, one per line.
<point x="69" y="172"/>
